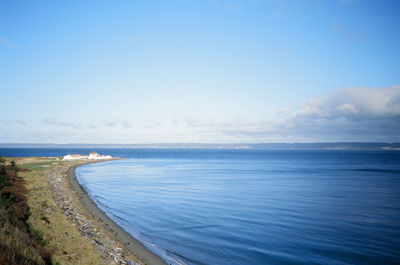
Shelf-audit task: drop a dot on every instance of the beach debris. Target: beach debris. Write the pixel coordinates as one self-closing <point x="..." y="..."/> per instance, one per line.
<point x="62" y="195"/>
<point x="118" y="259"/>
<point x="118" y="250"/>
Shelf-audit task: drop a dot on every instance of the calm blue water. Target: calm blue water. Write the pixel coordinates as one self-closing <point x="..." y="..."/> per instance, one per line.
<point x="253" y="206"/>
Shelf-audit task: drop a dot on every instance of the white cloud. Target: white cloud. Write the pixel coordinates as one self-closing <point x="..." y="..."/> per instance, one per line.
<point x="353" y="114"/>
<point x="111" y="123"/>
<point x="116" y="123"/>
<point x="11" y="122"/>
<point x="55" y="122"/>
<point x="347" y="108"/>
<point x="367" y="102"/>
<point x="370" y="114"/>
<point x="309" y="109"/>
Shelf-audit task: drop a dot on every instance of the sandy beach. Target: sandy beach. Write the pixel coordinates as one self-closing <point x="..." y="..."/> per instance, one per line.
<point x="129" y="242"/>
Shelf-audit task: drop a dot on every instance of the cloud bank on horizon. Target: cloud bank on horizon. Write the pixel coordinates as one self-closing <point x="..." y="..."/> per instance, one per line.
<point x="352" y="114"/>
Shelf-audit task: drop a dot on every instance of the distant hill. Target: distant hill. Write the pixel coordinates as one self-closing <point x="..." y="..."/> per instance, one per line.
<point x="272" y="146"/>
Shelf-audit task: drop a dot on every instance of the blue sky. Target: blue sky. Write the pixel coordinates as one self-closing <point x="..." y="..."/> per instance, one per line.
<point x="199" y="71"/>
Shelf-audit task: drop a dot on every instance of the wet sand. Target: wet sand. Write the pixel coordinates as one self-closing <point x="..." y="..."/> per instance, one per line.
<point x="130" y="243"/>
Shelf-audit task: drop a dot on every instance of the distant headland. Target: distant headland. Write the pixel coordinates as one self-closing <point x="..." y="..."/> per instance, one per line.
<point x="272" y="146"/>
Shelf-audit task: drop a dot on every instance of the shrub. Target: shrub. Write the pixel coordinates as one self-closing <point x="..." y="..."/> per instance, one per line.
<point x="38" y="236"/>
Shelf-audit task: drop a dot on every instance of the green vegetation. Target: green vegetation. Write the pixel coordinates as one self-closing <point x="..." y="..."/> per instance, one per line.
<point x="4" y="180"/>
<point x="19" y="243"/>
<point x="38" y="236"/>
<point x="38" y="166"/>
<point x="13" y="167"/>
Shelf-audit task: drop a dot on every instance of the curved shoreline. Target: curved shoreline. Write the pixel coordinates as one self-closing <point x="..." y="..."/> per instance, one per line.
<point x="131" y="243"/>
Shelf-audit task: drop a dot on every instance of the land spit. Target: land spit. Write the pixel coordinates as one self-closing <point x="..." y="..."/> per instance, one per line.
<point x="67" y="215"/>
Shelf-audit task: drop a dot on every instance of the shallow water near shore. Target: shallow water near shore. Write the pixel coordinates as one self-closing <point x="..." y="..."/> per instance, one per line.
<point x="255" y="207"/>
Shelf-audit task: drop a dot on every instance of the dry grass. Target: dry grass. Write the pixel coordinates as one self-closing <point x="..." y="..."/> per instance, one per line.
<point x="65" y="241"/>
<point x="17" y="247"/>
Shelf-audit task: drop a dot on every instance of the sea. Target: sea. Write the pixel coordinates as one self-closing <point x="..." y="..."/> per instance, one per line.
<point x="238" y="206"/>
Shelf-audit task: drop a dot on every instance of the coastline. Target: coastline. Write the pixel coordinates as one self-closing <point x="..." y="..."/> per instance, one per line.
<point x="127" y="240"/>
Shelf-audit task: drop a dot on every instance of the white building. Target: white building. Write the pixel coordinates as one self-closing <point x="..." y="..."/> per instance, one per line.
<point x="75" y="156"/>
<point x="94" y="155"/>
